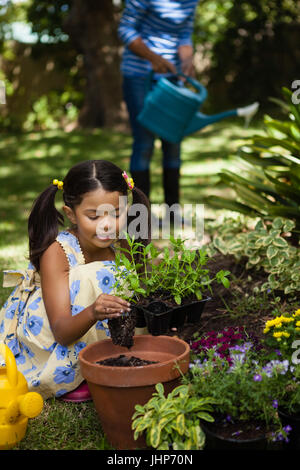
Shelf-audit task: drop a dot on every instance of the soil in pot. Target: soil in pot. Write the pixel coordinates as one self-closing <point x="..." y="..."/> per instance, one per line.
<point x="125" y="361"/>
<point x="122" y="329"/>
<point x="292" y="420"/>
<point x="240" y="435"/>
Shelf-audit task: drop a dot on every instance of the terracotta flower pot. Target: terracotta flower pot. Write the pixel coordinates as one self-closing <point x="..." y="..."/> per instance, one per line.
<point x="116" y="390"/>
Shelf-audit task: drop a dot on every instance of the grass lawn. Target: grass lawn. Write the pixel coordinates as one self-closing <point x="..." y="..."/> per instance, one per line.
<point x="29" y="163"/>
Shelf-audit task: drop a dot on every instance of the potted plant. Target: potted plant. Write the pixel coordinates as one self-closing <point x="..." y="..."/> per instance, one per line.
<point x="246" y="391"/>
<point x="116" y="389"/>
<point x="168" y="289"/>
<point x="172" y="421"/>
<point x="281" y="336"/>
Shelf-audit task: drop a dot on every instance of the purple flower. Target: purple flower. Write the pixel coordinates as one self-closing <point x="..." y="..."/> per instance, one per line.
<point x="257" y="378"/>
<point x="275" y="404"/>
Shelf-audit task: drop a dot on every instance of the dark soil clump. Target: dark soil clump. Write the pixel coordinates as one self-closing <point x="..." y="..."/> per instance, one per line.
<point x="122" y="330"/>
<point x="125" y="361"/>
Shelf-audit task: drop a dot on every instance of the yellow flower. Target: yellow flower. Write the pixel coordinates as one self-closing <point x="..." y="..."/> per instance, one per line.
<point x="279" y="325"/>
<point x="297" y="313"/>
<point x="287" y="335"/>
<point x="287" y="319"/>
<point x="277" y="334"/>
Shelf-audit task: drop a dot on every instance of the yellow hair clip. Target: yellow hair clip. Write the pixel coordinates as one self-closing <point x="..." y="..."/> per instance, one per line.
<point x="58" y="183"/>
<point x="128" y="180"/>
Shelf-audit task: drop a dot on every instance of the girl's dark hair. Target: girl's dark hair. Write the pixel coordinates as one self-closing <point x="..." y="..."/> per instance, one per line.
<point x="44" y="219"/>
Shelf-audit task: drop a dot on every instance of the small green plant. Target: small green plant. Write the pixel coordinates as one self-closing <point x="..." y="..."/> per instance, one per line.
<point x="136" y="274"/>
<point x="177" y="271"/>
<point x="185" y="273"/>
<point x="173" y="420"/>
<point x="265" y="247"/>
<point x="248" y="387"/>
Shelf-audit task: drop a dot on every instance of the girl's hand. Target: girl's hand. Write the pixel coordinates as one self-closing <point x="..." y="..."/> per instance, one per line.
<point x="109" y="306"/>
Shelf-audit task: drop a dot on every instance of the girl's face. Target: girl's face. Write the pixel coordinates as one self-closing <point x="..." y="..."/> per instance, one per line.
<point x="99" y="217"/>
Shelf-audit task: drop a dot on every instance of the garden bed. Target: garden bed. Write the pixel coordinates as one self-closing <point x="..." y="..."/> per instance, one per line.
<point x="237" y="306"/>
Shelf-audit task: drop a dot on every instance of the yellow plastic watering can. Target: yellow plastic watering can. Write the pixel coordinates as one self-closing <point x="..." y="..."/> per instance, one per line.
<point x="17" y="405"/>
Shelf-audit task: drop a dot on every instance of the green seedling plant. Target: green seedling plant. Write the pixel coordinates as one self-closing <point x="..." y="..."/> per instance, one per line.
<point x="186" y="273"/>
<point x="180" y="272"/>
<point x="173" y="420"/>
<point x="136" y="275"/>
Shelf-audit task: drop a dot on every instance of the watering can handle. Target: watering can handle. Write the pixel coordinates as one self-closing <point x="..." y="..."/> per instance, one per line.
<point x="202" y="90"/>
<point x="11" y="366"/>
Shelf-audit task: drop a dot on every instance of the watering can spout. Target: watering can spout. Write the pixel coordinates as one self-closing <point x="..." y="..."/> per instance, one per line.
<point x="200" y="120"/>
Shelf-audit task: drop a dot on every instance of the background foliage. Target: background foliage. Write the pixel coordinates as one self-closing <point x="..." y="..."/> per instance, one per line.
<point x="235" y="42"/>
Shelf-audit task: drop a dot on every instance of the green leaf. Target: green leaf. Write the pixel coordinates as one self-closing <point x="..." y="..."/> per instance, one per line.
<point x="180" y="424"/>
<point x="272" y="251"/>
<point x="280" y="242"/>
<point x="288" y="226"/>
<point x="160" y="389"/>
<point x="155" y="436"/>
<point x="205" y="416"/>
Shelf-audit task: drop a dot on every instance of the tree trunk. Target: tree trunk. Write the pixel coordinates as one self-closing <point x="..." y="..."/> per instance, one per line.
<point x="92" y="27"/>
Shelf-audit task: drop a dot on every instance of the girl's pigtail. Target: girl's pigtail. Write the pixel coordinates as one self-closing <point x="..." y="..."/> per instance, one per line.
<point x="43" y="224"/>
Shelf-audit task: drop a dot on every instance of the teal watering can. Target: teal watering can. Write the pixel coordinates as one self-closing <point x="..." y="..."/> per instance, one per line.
<point x="171" y="110"/>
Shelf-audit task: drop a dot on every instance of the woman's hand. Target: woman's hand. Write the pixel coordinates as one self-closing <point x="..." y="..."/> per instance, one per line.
<point x="108" y="306"/>
<point x="187" y="67"/>
<point x="161" y="65"/>
<point x="186" y="60"/>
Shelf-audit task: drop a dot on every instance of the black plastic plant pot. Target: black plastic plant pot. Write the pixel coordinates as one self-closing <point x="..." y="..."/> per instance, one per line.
<point x="158" y="317"/>
<point x="195" y="310"/>
<point x="179" y="315"/>
<point x="293" y="421"/>
<point x="214" y="441"/>
<point x="140" y="318"/>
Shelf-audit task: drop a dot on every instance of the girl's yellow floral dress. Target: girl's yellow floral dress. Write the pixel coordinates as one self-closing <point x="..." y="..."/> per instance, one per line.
<point x="50" y="368"/>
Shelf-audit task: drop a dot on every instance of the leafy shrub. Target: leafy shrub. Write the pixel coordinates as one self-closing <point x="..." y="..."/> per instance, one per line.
<point x="173" y="420"/>
<point x="270" y="183"/>
<point x="266" y="247"/>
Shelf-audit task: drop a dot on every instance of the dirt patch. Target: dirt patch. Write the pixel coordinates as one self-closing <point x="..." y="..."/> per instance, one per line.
<point x="236" y="306"/>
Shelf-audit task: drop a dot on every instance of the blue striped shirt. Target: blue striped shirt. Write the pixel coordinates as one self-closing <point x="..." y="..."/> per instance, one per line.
<point x="163" y="25"/>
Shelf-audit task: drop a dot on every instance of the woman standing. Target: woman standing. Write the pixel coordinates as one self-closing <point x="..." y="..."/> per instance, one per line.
<point x="157" y="38"/>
